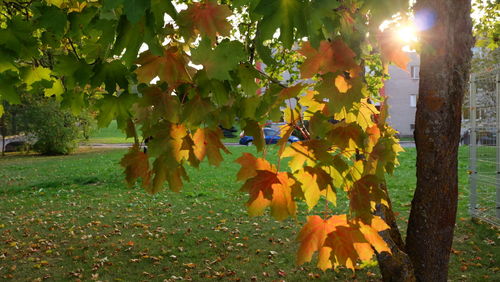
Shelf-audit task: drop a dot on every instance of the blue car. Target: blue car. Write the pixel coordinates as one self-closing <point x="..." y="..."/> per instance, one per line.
<point x="271" y="136"/>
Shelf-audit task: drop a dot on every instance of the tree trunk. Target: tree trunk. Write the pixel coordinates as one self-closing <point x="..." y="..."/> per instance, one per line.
<point x="444" y="71"/>
<point x="396" y="266"/>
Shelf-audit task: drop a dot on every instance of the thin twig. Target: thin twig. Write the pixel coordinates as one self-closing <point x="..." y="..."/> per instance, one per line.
<point x="73" y="47"/>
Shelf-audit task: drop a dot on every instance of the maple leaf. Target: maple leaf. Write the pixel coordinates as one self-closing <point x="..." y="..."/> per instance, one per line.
<point x="136" y="165"/>
<point x="164" y="104"/>
<point x="249" y="166"/>
<point x="172" y="67"/>
<point x="207" y="143"/>
<point x="383" y="157"/>
<point x="164" y="171"/>
<point x="340" y="102"/>
<point x="205" y="18"/>
<point x="291" y="92"/>
<point x="252" y="128"/>
<point x="173" y="143"/>
<point x="314" y="183"/>
<point x="362" y="113"/>
<point x="309" y="152"/>
<point x="309" y="101"/>
<point x="339" y="241"/>
<point x="270" y="189"/>
<point x="285" y="133"/>
<point x="346" y="136"/>
<point x="392" y="48"/>
<point x="287" y="15"/>
<point x="330" y="57"/>
<point x="312" y="237"/>
<point x="350" y="242"/>
<point x="364" y="195"/>
<point x="220" y="61"/>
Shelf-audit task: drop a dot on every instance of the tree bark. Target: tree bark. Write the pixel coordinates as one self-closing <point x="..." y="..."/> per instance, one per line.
<point x="444" y="71"/>
<point x="397" y="265"/>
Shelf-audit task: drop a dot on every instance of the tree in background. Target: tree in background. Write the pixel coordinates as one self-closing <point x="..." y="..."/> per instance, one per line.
<point x="201" y="71"/>
<point x="54" y="131"/>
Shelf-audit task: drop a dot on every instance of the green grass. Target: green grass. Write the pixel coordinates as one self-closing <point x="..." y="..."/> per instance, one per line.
<point x="113" y="135"/>
<point x="109" y="135"/>
<point x="72" y="217"/>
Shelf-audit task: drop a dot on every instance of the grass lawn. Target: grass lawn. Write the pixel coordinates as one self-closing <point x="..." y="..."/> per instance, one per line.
<point x="72" y="217"/>
<point x="113" y="135"/>
<point x="109" y="135"/>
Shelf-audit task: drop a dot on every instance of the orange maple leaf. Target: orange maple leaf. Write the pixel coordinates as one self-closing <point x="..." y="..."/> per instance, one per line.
<point x="206" y="18"/>
<point x="172" y="67"/>
<point x="339" y="241"/>
<point x="392" y="48"/>
<point x="207" y="143"/>
<point x="330" y="57"/>
<point x="270" y="189"/>
<point x="312" y="237"/>
<point x="249" y="166"/>
<point x="136" y="165"/>
<point x="350" y="242"/>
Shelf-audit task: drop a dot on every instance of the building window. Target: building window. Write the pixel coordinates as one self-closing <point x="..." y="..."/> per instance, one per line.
<point x="413" y="100"/>
<point x="414" y="71"/>
<point x="412" y="126"/>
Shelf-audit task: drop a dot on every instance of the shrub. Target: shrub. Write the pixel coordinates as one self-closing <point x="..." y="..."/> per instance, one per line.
<point x="56" y="130"/>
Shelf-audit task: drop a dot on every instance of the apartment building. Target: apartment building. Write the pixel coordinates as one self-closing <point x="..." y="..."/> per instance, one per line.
<point x="402" y="90"/>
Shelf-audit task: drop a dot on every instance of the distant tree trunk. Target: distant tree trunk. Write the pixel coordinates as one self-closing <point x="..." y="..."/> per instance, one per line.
<point x="444" y="71"/>
<point x="3" y="131"/>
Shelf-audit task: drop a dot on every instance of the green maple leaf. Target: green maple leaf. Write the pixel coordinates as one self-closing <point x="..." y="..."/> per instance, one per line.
<point x="56" y="89"/>
<point x="32" y="75"/>
<point x="135" y="9"/>
<point x="221" y="60"/>
<point x="8" y="81"/>
<point x="159" y="8"/>
<point x="18" y="38"/>
<point x="196" y="110"/>
<point x="51" y="19"/>
<point x="111" y="74"/>
<point x="320" y="14"/>
<point x="115" y="107"/>
<point x="287" y="15"/>
<point x="99" y="36"/>
<point x="252" y="128"/>
<point x="79" y="22"/>
<point x="74" y="71"/>
<point x="130" y="37"/>
<point x="247" y="75"/>
<point x="6" y="62"/>
<point x="74" y="101"/>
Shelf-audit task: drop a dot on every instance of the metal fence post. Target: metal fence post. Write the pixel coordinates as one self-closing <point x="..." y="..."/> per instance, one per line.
<point x="473" y="148"/>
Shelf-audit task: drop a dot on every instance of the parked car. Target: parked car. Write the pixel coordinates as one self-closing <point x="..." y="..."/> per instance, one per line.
<point x="488" y="139"/>
<point x="271" y="136"/>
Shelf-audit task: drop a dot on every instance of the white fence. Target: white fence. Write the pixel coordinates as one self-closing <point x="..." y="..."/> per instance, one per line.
<point x="484" y="139"/>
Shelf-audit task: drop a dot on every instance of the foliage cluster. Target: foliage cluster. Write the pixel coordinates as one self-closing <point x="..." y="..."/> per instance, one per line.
<point x="201" y="71"/>
<point x="53" y="130"/>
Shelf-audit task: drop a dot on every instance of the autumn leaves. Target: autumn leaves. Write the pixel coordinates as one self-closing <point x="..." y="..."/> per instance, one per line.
<point x="348" y="146"/>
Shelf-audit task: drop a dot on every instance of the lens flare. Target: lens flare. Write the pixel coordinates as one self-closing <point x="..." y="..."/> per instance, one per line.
<point x="407" y="34"/>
